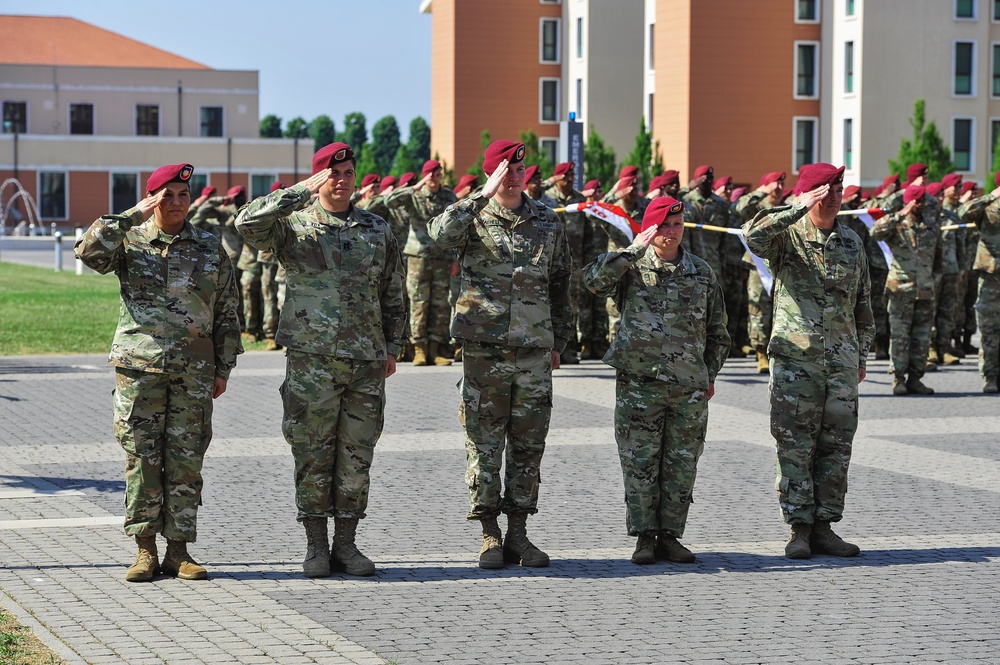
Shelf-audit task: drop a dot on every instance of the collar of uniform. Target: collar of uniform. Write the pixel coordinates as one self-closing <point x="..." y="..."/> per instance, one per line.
<point x="150" y="231"/>
<point x="529" y="210"/>
<point x="685" y="266"/>
<point x="354" y="216"/>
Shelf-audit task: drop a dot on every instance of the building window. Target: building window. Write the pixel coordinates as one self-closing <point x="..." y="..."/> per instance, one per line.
<point x="996" y="10"/>
<point x="996" y="70"/>
<point x="549" y="149"/>
<point x="81" y="118"/>
<point x="550" y="2"/>
<point x="124" y="191"/>
<point x="994" y="133"/>
<point x="849" y="144"/>
<point x="849" y="8"/>
<point x="579" y="98"/>
<point x="260" y="185"/>
<point x="52" y="194"/>
<point x="807" y="11"/>
<point x="198" y="182"/>
<point x="211" y="121"/>
<point x="15" y="117"/>
<point x="649" y="112"/>
<point x="965" y="58"/>
<point x="965" y="9"/>
<point x="147" y="120"/>
<point x="549" y="100"/>
<point x="848" y="67"/>
<point x="549" y="41"/>
<point x="961" y="143"/>
<point x="579" y="38"/>
<point x="652" y="43"/>
<point x="804" y="142"/>
<point x="806" y="70"/>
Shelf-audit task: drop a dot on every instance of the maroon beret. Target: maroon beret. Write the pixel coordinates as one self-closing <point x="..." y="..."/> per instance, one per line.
<point x="628" y="171"/>
<point x="657" y="182"/>
<point x="971" y="184"/>
<point x="429" y="166"/>
<point x="773" y="176"/>
<point x="851" y="191"/>
<point x="914" y="192"/>
<point x="934" y="188"/>
<point x="878" y="190"/>
<point x="235" y="191"/>
<point x="468" y="180"/>
<point x="812" y="176"/>
<point x="891" y="179"/>
<point x="671" y="177"/>
<point x="207" y="191"/>
<point x="276" y="185"/>
<point x="704" y="169"/>
<point x="388" y="181"/>
<point x="407" y="179"/>
<point x="168" y="173"/>
<point x="331" y="154"/>
<point x="724" y="181"/>
<point x="532" y="172"/>
<point x="592" y="186"/>
<point x="628" y="181"/>
<point x="563" y="168"/>
<point x="737" y="193"/>
<point x="914" y="171"/>
<point x="951" y="180"/>
<point x="370" y="179"/>
<point x="659" y="209"/>
<point x="500" y="150"/>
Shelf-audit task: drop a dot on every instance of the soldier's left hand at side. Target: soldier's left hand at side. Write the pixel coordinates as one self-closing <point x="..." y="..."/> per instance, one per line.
<point x="218" y="387"/>
<point x="390" y="365"/>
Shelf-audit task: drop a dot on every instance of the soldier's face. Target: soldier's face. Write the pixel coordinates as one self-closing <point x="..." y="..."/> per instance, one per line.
<point x="176" y="201"/>
<point x="672" y="189"/>
<point x="513" y="182"/>
<point x="340" y="186"/>
<point x="669" y="234"/>
<point x="834" y="198"/>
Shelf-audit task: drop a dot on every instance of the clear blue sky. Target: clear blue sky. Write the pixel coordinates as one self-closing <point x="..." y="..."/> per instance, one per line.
<point x="324" y="56"/>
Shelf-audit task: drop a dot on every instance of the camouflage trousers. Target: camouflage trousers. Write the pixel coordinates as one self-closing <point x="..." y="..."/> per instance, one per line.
<point x="965" y="307"/>
<point x="910" y="333"/>
<point x="814" y="415"/>
<point x="252" y="301"/>
<point x="590" y="311"/>
<point x="734" y="287"/>
<point x="880" y="304"/>
<point x="760" y="313"/>
<point x="988" y="318"/>
<point x="660" y="430"/>
<point x="428" y="287"/>
<point x="164" y="424"/>
<point x="269" y="298"/>
<point x="506" y="404"/>
<point x="945" y="303"/>
<point x="333" y="415"/>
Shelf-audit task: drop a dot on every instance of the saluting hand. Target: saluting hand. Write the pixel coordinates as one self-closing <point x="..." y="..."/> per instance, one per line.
<point x="150" y="203"/>
<point x="811" y="198"/>
<point x="493" y="183"/>
<point x="646" y="237"/>
<point x="908" y="208"/>
<point x="995" y="193"/>
<point x="424" y="181"/>
<point x="367" y="188"/>
<point x="314" y="182"/>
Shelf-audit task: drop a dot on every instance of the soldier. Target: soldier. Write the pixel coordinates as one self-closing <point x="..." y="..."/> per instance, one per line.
<point x="823" y="329"/>
<point x="672" y="184"/>
<point x="878" y="270"/>
<point x="914" y="236"/>
<point x="984" y="212"/>
<point x="467" y="184"/>
<point x="206" y="193"/>
<point x="216" y="215"/>
<point x="368" y="191"/>
<point x="428" y="266"/>
<point x="533" y="187"/>
<point x="342" y="325"/>
<point x="269" y="289"/>
<point x="514" y="319"/>
<point x="625" y="194"/>
<point x="176" y="343"/>
<point x="734" y="273"/>
<point x="769" y="194"/>
<point x="670" y="347"/>
<point x="968" y="285"/>
<point x="407" y="179"/>
<point x="946" y="281"/>
<point x="703" y="206"/>
<point x="592" y="191"/>
<point x="655" y="187"/>
<point x="579" y="235"/>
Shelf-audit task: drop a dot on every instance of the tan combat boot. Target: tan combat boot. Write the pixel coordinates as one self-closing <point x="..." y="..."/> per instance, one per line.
<point x="458" y="353"/>
<point x="762" y="366"/>
<point x="798" y="541"/>
<point x="950" y="358"/>
<point x="915" y="386"/>
<point x="491" y="554"/>
<point x="932" y="355"/>
<point x="317" y="561"/>
<point x="824" y="541"/>
<point x="147" y="563"/>
<point x="248" y="337"/>
<point x="899" y="386"/>
<point x="419" y="355"/>
<point x="271" y="344"/>
<point x="517" y="548"/>
<point x="178" y="563"/>
<point x="645" y="549"/>
<point x="668" y="548"/>
<point x="345" y="555"/>
<point x="436" y="357"/>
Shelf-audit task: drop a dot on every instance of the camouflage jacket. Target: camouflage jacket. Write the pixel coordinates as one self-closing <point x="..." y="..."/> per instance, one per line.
<point x="673" y="316"/>
<point x="179" y="300"/>
<point x="418" y="208"/>
<point x="984" y="212"/>
<point x="344" y="283"/>
<point x="966" y="239"/>
<point x="575" y="221"/>
<point x="747" y="207"/>
<point x="217" y="217"/>
<point x="515" y="273"/>
<point x="711" y="209"/>
<point x="951" y="250"/>
<point x="822" y="291"/>
<point x="376" y="205"/>
<point x="616" y="238"/>
<point x="916" y="251"/>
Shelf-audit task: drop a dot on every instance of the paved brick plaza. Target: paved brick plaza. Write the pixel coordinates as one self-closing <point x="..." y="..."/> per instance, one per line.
<point x="923" y="506"/>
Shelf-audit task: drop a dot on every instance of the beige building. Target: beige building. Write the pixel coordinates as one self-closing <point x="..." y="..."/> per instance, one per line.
<point x="88" y="114"/>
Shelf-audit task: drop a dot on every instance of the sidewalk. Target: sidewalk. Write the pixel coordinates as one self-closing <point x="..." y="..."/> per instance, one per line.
<point x="924" y="487"/>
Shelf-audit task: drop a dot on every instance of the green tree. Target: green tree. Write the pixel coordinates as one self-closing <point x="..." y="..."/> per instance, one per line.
<point x="297" y="128"/>
<point x="484" y="142"/>
<point x="988" y="185"/>
<point x="657" y="167"/>
<point x="598" y="160"/>
<point x="404" y="162"/>
<point x="533" y="155"/>
<point x="366" y="164"/>
<point x="642" y="154"/>
<point x="270" y="127"/>
<point x="322" y="131"/>
<point x="385" y="143"/>
<point x="355" y="134"/>
<point x="926" y="147"/>
<point x="419" y="142"/>
<point x="447" y="173"/>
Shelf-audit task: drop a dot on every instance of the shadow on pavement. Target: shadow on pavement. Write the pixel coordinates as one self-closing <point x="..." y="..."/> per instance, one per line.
<point x="34" y="482"/>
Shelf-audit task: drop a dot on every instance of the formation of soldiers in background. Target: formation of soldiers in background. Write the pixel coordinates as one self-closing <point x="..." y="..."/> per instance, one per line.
<point x="933" y="267"/>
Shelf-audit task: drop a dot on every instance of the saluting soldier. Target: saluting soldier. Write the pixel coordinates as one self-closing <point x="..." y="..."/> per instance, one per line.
<point x="579" y="233"/>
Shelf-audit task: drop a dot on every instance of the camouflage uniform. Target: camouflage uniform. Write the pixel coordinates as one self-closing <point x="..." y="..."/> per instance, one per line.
<point x="984" y="212"/>
<point x="617" y="240"/>
<point x="343" y="313"/>
<point x="878" y="271"/>
<point x="823" y="330"/>
<point x="669" y="349"/>
<point x="760" y="305"/>
<point x="708" y="245"/>
<point x="513" y="311"/>
<point x="968" y="280"/>
<point x="178" y="330"/>
<point x="269" y="267"/>
<point x="216" y="216"/>
<point x="946" y="284"/>
<point x="428" y="266"/>
<point x="250" y="276"/>
<point x="734" y="285"/>
<point x="916" y="250"/>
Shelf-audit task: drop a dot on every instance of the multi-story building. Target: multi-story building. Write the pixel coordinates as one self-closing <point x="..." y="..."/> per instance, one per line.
<point x="88" y="115"/>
